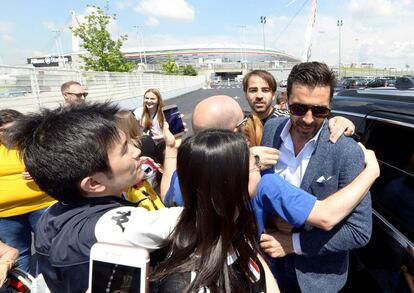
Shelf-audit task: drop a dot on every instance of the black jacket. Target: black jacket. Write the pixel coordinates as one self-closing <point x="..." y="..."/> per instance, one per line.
<point x="64" y="236"/>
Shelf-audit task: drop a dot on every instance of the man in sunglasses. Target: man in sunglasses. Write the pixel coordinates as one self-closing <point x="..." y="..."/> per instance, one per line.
<point x="309" y="259"/>
<point x="73" y="93"/>
<point x="259" y="88"/>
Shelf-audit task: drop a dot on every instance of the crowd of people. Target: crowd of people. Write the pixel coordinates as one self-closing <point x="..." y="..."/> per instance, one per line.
<point x="269" y="200"/>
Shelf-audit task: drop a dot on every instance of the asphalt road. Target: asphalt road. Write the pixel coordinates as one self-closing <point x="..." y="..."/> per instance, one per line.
<point x="187" y="102"/>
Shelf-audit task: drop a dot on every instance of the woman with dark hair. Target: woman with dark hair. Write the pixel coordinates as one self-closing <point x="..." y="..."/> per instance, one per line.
<point x="150" y="115"/>
<point x="214" y="246"/>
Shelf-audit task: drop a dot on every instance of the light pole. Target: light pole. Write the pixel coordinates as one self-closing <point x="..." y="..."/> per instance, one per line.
<point x="339" y="24"/>
<point x="242" y="52"/>
<point x="59" y="49"/>
<point x="140" y="41"/>
<point x="263" y="22"/>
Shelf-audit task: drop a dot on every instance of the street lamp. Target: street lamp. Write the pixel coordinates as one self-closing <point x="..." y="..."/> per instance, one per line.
<point x="242" y="50"/>
<point x="339" y="24"/>
<point x="263" y="22"/>
<point x="140" y="43"/>
<point x="58" y="44"/>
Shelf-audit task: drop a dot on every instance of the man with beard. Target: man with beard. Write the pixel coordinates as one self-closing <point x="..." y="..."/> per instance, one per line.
<point x="308" y="258"/>
<point x="259" y="88"/>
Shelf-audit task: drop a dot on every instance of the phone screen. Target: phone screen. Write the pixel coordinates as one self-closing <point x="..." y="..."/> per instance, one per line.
<point x="173" y="117"/>
<point x="114" y="278"/>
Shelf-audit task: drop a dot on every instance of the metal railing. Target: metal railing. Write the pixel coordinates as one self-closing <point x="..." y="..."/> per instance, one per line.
<point x="29" y="89"/>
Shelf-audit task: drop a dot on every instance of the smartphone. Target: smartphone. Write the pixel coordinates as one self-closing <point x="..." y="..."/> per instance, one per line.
<point x="149" y="168"/>
<point x="118" y="268"/>
<point x="173" y="117"/>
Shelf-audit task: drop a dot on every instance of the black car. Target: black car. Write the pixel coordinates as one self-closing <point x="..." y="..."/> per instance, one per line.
<point x="378" y="82"/>
<point x="347" y="83"/>
<point x="404" y="82"/>
<point x="384" y="120"/>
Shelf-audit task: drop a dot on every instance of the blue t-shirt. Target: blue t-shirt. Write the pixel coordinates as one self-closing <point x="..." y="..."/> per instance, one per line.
<point x="274" y="196"/>
<point x="277" y="196"/>
<point x="174" y="198"/>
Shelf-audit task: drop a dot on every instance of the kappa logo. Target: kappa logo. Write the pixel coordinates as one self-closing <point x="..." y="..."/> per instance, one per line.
<point x="121" y="219"/>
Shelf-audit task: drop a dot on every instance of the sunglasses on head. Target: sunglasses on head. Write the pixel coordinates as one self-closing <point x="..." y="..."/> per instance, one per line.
<point x="79" y="95"/>
<point x="244" y="121"/>
<point x="302" y="109"/>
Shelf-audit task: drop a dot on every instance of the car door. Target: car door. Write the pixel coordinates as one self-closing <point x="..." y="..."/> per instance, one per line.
<point x="391" y="250"/>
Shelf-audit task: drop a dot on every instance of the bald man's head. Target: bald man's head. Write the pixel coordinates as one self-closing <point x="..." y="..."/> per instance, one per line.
<point x="217" y="112"/>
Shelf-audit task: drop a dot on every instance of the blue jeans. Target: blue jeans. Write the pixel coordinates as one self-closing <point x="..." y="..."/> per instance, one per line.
<point x="17" y="231"/>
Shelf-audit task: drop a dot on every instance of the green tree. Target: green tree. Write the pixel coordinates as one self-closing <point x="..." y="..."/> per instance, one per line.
<point x="104" y="53"/>
<point x="189" y="70"/>
<point x="170" y="67"/>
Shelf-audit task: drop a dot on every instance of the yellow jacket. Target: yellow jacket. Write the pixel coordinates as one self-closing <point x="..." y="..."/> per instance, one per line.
<point x="17" y="195"/>
<point x="145" y="196"/>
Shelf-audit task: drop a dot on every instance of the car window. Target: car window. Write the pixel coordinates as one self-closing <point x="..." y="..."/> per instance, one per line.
<point x="393" y="192"/>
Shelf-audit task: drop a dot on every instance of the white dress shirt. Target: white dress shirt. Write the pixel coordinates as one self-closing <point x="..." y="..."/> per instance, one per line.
<point x="292" y="168"/>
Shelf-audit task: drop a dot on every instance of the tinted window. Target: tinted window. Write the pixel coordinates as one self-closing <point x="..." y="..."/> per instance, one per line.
<point x="393" y="192"/>
<point x="404" y="82"/>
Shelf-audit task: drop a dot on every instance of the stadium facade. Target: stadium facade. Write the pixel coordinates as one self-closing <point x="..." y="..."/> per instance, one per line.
<point x="202" y="54"/>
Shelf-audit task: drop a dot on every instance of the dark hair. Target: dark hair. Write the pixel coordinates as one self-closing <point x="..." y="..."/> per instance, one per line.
<point x="213" y="172"/>
<point x="61" y="147"/>
<point x="159" y="155"/>
<point x="266" y="75"/>
<point x="311" y="74"/>
<point x="280" y="97"/>
<point x="9" y="115"/>
<point x="67" y="84"/>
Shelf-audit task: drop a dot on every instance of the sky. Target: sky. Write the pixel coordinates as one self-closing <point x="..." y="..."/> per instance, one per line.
<point x="373" y="31"/>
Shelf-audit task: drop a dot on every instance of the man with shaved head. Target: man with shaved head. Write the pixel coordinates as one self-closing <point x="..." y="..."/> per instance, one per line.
<point x="217" y="112"/>
<point x="213" y="112"/>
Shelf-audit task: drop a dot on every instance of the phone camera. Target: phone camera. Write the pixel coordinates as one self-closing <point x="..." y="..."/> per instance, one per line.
<point x="148" y="170"/>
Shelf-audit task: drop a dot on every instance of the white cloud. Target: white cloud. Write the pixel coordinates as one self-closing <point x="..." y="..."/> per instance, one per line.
<point x="113" y="26"/>
<point x="177" y="10"/>
<point x="171" y="41"/>
<point x="124" y="4"/>
<point x="371" y="9"/>
<point x="18" y="56"/>
<point x="152" y="21"/>
<point x="384" y="41"/>
<point x="6" y="26"/>
<point x="7" y="39"/>
<point x="50" y="26"/>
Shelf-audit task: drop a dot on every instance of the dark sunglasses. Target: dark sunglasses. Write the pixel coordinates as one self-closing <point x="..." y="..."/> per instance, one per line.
<point x="244" y="121"/>
<point x="79" y="95"/>
<point x="302" y="109"/>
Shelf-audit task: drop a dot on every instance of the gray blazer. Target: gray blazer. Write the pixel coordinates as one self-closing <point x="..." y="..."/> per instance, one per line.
<point x="324" y="265"/>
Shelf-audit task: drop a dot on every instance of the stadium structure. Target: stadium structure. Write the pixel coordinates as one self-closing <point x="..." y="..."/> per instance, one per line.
<point x="209" y="53"/>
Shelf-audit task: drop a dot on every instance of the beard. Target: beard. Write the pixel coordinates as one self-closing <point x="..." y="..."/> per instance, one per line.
<point x="304" y="130"/>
